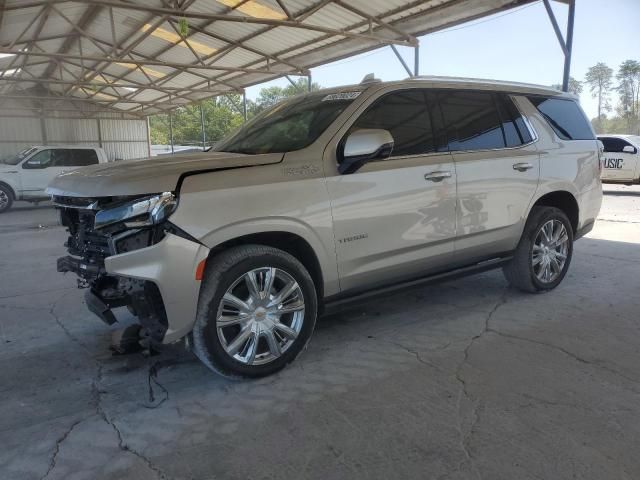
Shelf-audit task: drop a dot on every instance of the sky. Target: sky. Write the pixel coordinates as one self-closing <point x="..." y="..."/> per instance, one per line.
<point x="518" y="45"/>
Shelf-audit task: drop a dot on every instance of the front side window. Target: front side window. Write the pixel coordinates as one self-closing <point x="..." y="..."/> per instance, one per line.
<point x="410" y="117"/>
<point x="564" y="116"/>
<point x="42" y="159"/>
<point x="613" y="144"/>
<point x="472" y="120"/>
<point x="289" y="125"/>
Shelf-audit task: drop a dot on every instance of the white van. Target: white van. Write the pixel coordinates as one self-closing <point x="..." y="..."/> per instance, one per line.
<point x="621" y="159"/>
<point x="26" y="175"/>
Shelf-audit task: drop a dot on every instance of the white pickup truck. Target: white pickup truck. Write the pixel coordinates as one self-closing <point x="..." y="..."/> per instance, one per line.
<point x="25" y="175"/>
<point x="621" y="159"/>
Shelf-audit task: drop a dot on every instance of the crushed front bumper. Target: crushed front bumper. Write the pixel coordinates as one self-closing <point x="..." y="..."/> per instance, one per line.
<point x="171" y="266"/>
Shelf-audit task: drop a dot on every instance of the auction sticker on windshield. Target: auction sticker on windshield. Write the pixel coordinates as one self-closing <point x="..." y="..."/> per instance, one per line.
<point x="341" y="96"/>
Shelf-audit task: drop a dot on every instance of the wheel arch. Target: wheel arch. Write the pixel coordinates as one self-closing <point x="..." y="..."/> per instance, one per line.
<point x="10" y="188"/>
<point x="563" y="200"/>
<point x="289" y="242"/>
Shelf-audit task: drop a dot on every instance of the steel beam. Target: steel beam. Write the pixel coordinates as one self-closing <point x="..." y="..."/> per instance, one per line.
<point x="404" y="64"/>
<point x="171" y="131"/>
<point x="556" y="27"/>
<point x="416" y="60"/>
<point x="136" y="62"/>
<point x="567" y="57"/>
<point x="242" y="19"/>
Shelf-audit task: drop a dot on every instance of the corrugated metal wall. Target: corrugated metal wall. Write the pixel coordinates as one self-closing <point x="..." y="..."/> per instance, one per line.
<point x="121" y="138"/>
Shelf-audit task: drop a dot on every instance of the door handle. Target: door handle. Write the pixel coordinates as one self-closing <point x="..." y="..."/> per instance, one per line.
<point x="522" y="167"/>
<point x="437" y="176"/>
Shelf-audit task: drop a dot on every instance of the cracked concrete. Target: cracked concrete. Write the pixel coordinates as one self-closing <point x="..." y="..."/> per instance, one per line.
<point x="463" y="380"/>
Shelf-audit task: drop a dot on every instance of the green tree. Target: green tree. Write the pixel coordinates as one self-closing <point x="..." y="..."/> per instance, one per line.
<point x="599" y="80"/>
<point x="269" y="96"/>
<point x="629" y="90"/>
<point x="222" y="115"/>
<point x="575" y="86"/>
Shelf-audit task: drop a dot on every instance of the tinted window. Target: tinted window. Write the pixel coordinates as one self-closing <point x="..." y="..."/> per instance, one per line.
<point x="82" y="158"/>
<point x="565" y="117"/>
<point x="613" y="145"/>
<point x="471" y="120"/>
<point x="61" y="158"/>
<point x="43" y="157"/>
<point x="410" y="118"/>
<point x="289" y="125"/>
<point x="515" y="130"/>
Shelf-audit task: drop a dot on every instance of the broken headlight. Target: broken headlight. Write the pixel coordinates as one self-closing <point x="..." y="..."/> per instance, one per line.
<point x="141" y="212"/>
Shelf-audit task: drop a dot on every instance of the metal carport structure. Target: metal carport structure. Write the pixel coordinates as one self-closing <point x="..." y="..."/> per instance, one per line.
<point x="138" y="58"/>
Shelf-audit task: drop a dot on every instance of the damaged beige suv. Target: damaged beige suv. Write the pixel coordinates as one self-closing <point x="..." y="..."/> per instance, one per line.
<point x="327" y="196"/>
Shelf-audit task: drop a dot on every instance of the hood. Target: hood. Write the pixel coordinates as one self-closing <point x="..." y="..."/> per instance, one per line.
<point x="4" y="168"/>
<point x="154" y="175"/>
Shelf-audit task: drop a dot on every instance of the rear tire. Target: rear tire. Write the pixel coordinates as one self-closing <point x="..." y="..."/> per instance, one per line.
<point x="6" y="198"/>
<point x="256" y="313"/>
<point x="543" y="255"/>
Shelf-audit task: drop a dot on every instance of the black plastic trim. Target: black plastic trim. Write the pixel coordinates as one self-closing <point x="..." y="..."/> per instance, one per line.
<point x="334" y="302"/>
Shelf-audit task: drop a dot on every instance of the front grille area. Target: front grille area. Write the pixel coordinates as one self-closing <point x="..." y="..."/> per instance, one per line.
<point x="84" y="242"/>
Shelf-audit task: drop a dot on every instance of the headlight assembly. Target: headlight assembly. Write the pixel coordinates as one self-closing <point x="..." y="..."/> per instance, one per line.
<point x="141" y="212"/>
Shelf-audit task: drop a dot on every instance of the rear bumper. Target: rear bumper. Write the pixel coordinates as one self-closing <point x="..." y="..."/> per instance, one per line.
<point x="170" y="265"/>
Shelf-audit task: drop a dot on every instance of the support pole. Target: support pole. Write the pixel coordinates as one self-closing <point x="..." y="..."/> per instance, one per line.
<point x="244" y="105"/>
<point x="171" y="131"/>
<point x="404" y="64"/>
<point x="309" y="82"/>
<point x="567" y="56"/>
<point x="99" y="125"/>
<point x="204" y="135"/>
<point x="416" y="60"/>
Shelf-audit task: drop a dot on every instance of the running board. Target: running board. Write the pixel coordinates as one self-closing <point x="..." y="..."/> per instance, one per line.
<point x="333" y="303"/>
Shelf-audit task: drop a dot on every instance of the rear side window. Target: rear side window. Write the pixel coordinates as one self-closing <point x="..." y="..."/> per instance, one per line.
<point x="515" y="130"/>
<point x="613" y="145"/>
<point x="472" y="120"/>
<point x="410" y="117"/>
<point x="564" y="116"/>
<point x="62" y="157"/>
<point x="84" y="157"/>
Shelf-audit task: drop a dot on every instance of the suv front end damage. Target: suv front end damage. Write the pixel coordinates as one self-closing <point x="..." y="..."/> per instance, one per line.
<point x="127" y="254"/>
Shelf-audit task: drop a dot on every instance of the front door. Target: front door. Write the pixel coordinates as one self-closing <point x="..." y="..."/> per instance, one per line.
<point x="394" y="219"/>
<point x="497" y="168"/>
<point x="39" y="170"/>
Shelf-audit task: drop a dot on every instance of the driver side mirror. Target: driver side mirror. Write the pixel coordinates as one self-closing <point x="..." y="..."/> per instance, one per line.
<point x="629" y="149"/>
<point x="365" y="145"/>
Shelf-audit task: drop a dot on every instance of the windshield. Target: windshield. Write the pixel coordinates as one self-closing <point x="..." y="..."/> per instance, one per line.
<point x="288" y="126"/>
<point x="16" y="159"/>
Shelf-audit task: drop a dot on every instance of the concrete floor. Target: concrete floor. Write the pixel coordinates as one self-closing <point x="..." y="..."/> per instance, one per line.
<point x="467" y="379"/>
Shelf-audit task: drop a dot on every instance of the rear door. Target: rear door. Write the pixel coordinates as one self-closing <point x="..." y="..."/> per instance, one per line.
<point x="395" y="218"/>
<point x="616" y="164"/>
<point x="497" y="169"/>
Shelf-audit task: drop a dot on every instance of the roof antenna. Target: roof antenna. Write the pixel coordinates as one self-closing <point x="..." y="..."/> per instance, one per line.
<point x="369" y="78"/>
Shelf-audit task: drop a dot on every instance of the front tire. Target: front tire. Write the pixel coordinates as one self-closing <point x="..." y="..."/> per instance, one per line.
<point x="6" y="199"/>
<point x="257" y="310"/>
<point x="543" y="255"/>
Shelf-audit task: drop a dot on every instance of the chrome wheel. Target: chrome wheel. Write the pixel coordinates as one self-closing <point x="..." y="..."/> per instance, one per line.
<point x="550" y="250"/>
<point x="260" y="315"/>
<point x="4" y="199"/>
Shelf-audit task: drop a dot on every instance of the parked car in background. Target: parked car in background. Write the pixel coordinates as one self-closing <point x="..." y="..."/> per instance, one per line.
<point x="328" y="196"/>
<point x="621" y="159"/>
<point x="25" y="176"/>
